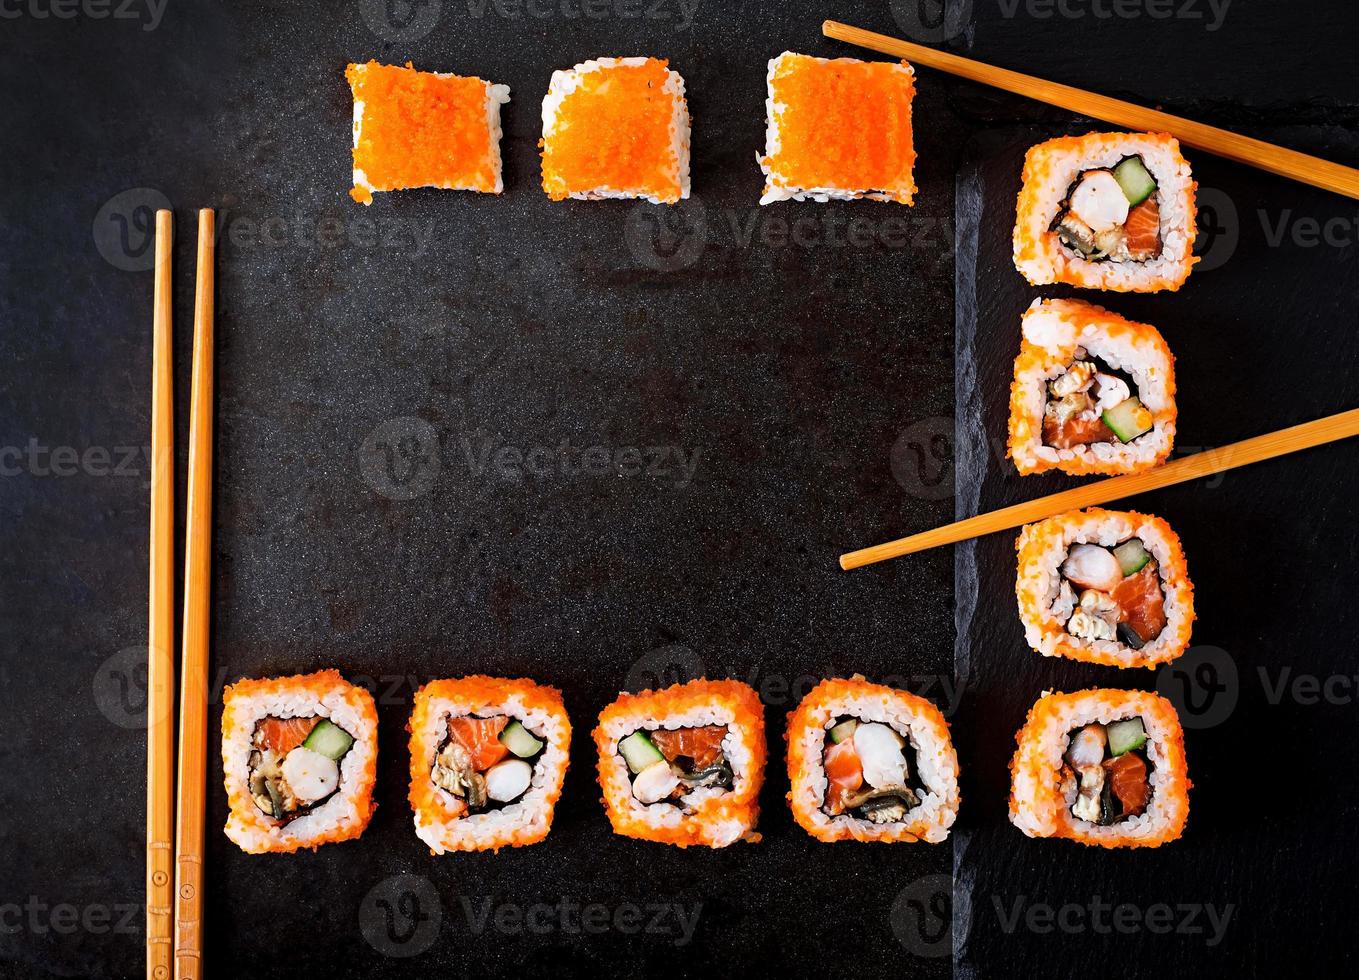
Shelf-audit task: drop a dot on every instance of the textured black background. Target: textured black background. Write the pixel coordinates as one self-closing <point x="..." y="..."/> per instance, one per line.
<point x="812" y="375"/>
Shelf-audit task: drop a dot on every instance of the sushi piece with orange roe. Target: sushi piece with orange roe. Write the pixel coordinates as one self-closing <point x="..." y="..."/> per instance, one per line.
<point x="838" y="130"/>
<point x="616" y="128"/>
<point x="424" y="129"/>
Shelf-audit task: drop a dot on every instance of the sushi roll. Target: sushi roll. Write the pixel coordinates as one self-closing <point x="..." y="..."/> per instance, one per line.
<point x="616" y="128"/>
<point x="488" y="757"/>
<point x="871" y="763"/>
<point x="1103" y="767"/>
<point x="1092" y="392"/>
<point x="838" y="130"/>
<point x="684" y="765"/>
<point x="424" y="129"/>
<point x="1106" y="587"/>
<point x="299" y="755"/>
<point x="1106" y="211"/>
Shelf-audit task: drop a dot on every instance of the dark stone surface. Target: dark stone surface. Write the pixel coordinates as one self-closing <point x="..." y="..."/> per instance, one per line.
<point x="809" y="375"/>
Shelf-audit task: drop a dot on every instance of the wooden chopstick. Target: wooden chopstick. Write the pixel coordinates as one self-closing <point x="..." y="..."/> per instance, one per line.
<point x="193" y="692"/>
<point x="1290" y="440"/>
<point x="1257" y="153"/>
<point x="160" y="665"/>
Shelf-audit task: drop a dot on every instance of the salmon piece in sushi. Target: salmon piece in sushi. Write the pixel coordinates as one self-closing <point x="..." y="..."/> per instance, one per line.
<point x="871" y="763"/>
<point x="1106" y="211"/>
<point x="299" y="756"/>
<point x="616" y="128"/>
<point x="839" y="129"/>
<point x="684" y="765"/>
<point x="488" y="758"/>
<point x="1092" y="392"/>
<point x="1102" y="767"/>
<point x="1106" y="587"/>
<point x="424" y="129"/>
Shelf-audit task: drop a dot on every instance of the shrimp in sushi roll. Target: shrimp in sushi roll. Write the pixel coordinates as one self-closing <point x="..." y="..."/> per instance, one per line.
<point x="488" y="757"/>
<point x="1104" y="586"/>
<point x="684" y="765"/>
<point x="616" y="128"/>
<point x="838" y="129"/>
<point x="1102" y="767"/>
<point x="1092" y="392"/>
<point x="1106" y="211"/>
<point x="299" y="756"/>
<point x="424" y="129"/>
<point x="871" y="763"/>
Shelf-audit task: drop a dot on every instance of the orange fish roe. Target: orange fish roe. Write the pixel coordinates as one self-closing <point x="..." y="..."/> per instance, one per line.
<point x="839" y="125"/>
<point x="616" y="127"/>
<point x="421" y="129"/>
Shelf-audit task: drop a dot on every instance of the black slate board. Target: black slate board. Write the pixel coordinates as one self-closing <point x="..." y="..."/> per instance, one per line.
<point x="1267" y="692"/>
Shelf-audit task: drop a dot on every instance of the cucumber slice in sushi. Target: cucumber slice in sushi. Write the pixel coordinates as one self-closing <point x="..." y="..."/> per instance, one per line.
<point x="1132" y="556"/>
<point x="1128" y="419"/>
<point x="328" y="739"/>
<point x="843" y="731"/>
<point x="1138" y="185"/>
<point x="519" y="741"/>
<point x="639" y="752"/>
<point x="1124" y="736"/>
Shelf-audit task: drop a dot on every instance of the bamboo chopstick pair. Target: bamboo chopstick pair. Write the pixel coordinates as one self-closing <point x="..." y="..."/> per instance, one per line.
<point x="1242" y="149"/>
<point x="174" y="899"/>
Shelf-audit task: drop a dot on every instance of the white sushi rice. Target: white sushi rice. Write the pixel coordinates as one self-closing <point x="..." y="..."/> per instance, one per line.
<point x="496" y="96"/>
<point x="776" y="187"/>
<point x="531" y="812"/>
<point x="347" y="804"/>
<point x="1174" y="188"/>
<point x="1042" y="577"/>
<point x="1047" y="324"/>
<point x="1050" y="747"/>
<point x="566" y="81"/>
<point x="936" y="764"/>
<point x="736" y="746"/>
